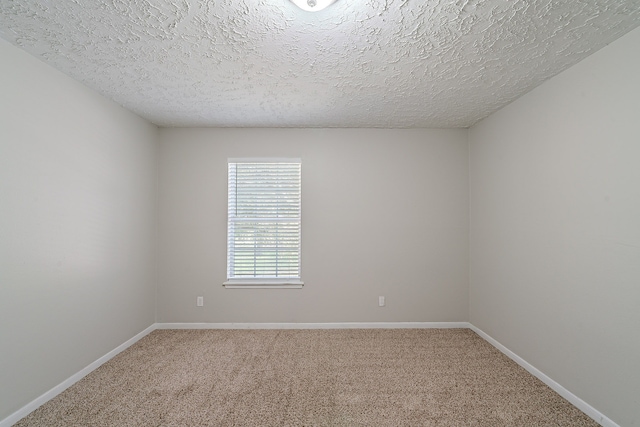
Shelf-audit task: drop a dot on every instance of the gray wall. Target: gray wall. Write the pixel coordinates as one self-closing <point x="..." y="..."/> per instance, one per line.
<point x="77" y="227"/>
<point x="384" y="212"/>
<point x="555" y="228"/>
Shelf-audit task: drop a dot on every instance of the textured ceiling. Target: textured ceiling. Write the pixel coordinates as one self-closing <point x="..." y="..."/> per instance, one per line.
<point x="264" y="63"/>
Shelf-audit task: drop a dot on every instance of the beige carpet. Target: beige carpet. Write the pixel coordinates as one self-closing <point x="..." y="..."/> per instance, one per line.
<point x="373" y="377"/>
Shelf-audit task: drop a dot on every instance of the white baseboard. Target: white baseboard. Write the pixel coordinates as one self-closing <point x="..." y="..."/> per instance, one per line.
<point x="341" y="325"/>
<point x="589" y="410"/>
<point x="34" y="404"/>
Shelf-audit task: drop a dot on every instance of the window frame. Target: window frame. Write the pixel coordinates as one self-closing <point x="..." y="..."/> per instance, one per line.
<point x="264" y="282"/>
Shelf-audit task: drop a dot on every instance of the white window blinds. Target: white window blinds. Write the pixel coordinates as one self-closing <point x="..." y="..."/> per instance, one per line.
<point x="264" y="219"/>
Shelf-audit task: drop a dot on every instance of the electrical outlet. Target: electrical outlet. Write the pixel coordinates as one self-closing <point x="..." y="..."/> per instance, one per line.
<point x="200" y="301"/>
<point x="381" y="301"/>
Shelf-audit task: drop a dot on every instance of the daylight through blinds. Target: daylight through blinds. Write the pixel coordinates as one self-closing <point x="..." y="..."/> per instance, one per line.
<point x="264" y="220"/>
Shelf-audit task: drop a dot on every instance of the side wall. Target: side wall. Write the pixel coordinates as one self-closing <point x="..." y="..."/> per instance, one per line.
<point x="77" y="227"/>
<point x="555" y="228"/>
<point x="384" y="212"/>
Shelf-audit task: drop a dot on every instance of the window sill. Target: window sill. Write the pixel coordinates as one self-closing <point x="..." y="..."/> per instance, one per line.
<point x="263" y="284"/>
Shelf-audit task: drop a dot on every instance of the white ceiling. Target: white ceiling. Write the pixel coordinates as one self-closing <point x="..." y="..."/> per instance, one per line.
<point x="358" y="63"/>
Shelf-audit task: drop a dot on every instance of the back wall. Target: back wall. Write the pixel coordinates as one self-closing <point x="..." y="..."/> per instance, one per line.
<point x="384" y="212"/>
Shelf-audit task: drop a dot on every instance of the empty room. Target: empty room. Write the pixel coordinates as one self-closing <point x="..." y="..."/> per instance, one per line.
<point x="320" y="213"/>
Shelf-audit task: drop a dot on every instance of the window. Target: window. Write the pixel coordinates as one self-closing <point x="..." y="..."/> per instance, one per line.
<point x="263" y="228"/>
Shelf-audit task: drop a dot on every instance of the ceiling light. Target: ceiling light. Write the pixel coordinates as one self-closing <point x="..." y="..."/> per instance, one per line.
<point x="313" y="5"/>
